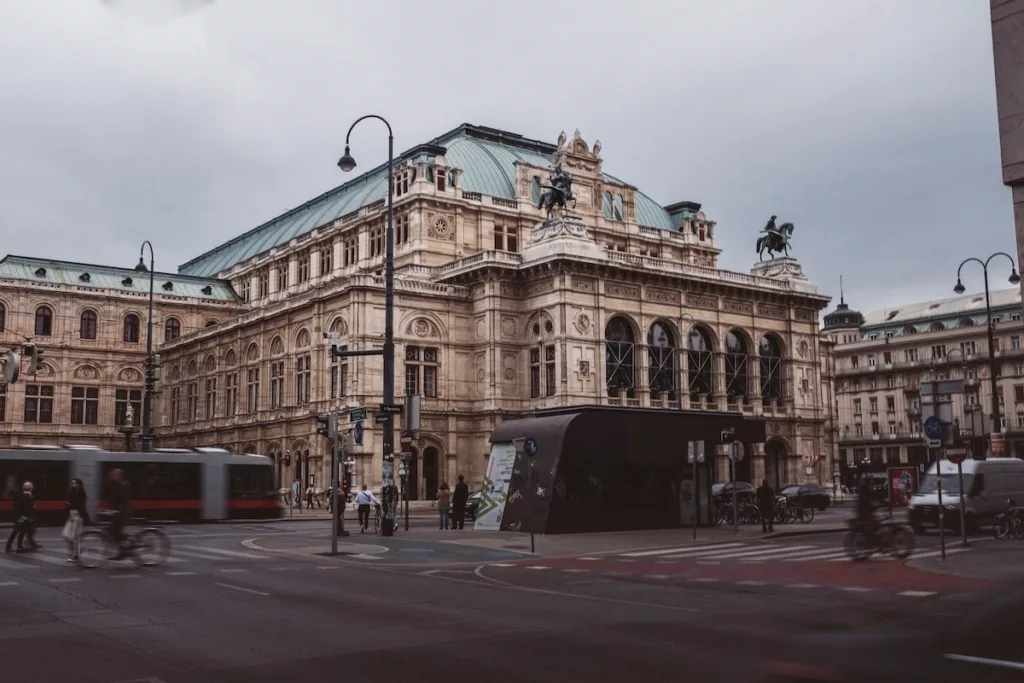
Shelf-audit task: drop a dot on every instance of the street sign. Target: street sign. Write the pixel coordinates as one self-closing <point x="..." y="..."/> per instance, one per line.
<point x="933" y="443"/>
<point x="390" y="409"/>
<point x="357" y="414"/>
<point x="933" y="428"/>
<point x="405" y="441"/>
<point x="998" y="449"/>
<point x="956" y="455"/>
<point x="381" y="418"/>
<point x="530" y="447"/>
<point x="357" y="433"/>
<point x="736" y="452"/>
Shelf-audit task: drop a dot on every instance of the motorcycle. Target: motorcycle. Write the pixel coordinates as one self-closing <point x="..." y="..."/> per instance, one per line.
<point x="889" y="538"/>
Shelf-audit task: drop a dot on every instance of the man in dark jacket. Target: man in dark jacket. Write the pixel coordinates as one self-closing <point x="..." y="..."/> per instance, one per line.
<point x="460" y="496"/>
<point x="118" y="507"/>
<point x="766" y="504"/>
<point x="24" y="520"/>
<point x="866" y="508"/>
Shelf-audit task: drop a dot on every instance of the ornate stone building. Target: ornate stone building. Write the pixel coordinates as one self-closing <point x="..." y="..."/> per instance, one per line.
<point x="497" y="315"/>
<point x="882" y="359"/>
<point x="90" y="322"/>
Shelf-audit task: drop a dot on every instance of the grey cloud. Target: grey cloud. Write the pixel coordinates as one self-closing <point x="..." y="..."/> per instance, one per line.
<point x="869" y="125"/>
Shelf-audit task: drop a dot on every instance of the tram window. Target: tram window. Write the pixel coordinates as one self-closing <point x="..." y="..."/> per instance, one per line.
<point x="159" y="480"/>
<point x="50" y="478"/>
<point x="250" y="481"/>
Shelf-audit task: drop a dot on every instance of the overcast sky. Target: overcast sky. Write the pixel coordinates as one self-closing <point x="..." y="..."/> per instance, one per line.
<point x="869" y="125"/>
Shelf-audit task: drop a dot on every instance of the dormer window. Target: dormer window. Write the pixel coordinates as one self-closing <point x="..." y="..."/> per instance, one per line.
<point x="40" y="272"/>
<point x="207" y="290"/>
<point x="168" y="286"/>
<point x="127" y="282"/>
<point x="402" y="180"/>
<point x="441" y="177"/>
<point x="85" y="277"/>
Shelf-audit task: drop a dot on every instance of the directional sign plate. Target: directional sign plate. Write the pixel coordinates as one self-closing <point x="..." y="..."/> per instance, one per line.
<point x="381" y="418"/>
<point x="933" y="428"/>
<point x="390" y="409"/>
<point x="357" y="414"/>
<point x="933" y="443"/>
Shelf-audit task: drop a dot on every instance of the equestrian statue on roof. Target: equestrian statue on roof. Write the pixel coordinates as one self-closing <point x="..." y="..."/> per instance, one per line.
<point x="558" y="193"/>
<point x="775" y="239"/>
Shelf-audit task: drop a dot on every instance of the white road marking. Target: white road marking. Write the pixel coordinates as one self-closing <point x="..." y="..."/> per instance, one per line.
<point x="233" y="571"/>
<point x="228" y="553"/>
<point x="239" y="588"/>
<point x="684" y="549"/>
<point x="705" y="562"/>
<point x="125" y="576"/>
<point x="74" y="580"/>
<point x="936" y="553"/>
<point x="703" y="580"/>
<point x="856" y="589"/>
<point x="802" y="585"/>
<point x="659" y="576"/>
<point x="364" y="556"/>
<point x="777" y="550"/>
<point x="751" y="583"/>
<point x="537" y="567"/>
<point x="589" y="559"/>
<point x="41" y="557"/>
<point x="181" y="573"/>
<point x="283" y="569"/>
<point x="5" y="564"/>
<point x="917" y="594"/>
<point x="817" y="557"/>
<point x="575" y="571"/>
<point x="8" y="583"/>
<point x="199" y="556"/>
<point x="331" y="566"/>
<point x="503" y="564"/>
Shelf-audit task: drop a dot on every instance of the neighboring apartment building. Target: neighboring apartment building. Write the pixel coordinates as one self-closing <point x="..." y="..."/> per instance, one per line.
<point x="883" y="358"/>
<point x="90" y="322"/>
<point x="495" y="317"/>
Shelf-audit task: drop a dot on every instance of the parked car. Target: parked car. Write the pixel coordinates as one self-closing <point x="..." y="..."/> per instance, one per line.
<point x="744" y="490"/>
<point x="806" y="495"/>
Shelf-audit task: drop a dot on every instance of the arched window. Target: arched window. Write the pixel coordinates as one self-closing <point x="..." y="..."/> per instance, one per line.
<point x="131" y="328"/>
<point x="936" y="327"/>
<point x="620" y="364"/>
<point x="966" y="322"/>
<point x="87" y="325"/>
<point x="909" y="329"/>
<point x="661" y="361"/>
<point x="736" y="374"/>
<point x="44" y="321"/>
<point x="230" y="358"/>
<point x="210" y="323"/>
<point x="172" y="329"/>
<point x="3" y="316"/>
<point x="700" y="363"/>
<point x="770" y="350"/>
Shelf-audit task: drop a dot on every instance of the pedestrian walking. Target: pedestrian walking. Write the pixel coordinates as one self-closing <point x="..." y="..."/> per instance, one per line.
<point x="364" y="499"/>
<point x="24" y="520"/>
<point x="766" y="505"/>
<point x="309" y="497"/>
<point x="444" y="501"/>
<point x="77" y="518"/>
<point x="459" y="499"/>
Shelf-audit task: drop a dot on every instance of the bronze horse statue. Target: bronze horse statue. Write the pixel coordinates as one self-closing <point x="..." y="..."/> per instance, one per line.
<point x="775" y="241"/>
<point x="558" y="194"/>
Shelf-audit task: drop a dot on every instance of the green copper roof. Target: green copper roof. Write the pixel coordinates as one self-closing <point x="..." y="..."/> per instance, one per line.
<point x="486" y="156"/>
<point x="105" y="277"/>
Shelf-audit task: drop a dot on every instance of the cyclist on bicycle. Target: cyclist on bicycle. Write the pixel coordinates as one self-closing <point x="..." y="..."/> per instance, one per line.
<point x="364" y="499"/>
<point x="118" y="509"/>
<point x="866" y="509"/>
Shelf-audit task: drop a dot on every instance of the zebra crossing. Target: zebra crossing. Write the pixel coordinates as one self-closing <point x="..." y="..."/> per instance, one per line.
<point x="759" y="552"/>
<point x="56" y="555"/>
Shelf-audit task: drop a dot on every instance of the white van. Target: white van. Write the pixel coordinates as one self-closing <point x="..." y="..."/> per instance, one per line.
<point x="988" y="484"/>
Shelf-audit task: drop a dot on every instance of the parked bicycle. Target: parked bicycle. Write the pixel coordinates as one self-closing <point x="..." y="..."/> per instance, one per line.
<point x="1009" y="522"/>
<point x="148" y="547"/>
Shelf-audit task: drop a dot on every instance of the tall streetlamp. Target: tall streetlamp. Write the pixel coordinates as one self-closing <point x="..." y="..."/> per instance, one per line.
<point x="960" y="289"/>
<point x="147" y="394"/>
<point x="347" y="163"/>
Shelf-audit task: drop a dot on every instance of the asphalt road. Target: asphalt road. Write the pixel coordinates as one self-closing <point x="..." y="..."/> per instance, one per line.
<point x="223" y="612"/>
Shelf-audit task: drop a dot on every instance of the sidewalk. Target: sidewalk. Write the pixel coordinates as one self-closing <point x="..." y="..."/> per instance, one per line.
<point x="987" y="558"/>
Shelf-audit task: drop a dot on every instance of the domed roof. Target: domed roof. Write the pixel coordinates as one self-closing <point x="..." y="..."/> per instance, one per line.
<point x="843" y="316"/>
<point x="486" y="156"/>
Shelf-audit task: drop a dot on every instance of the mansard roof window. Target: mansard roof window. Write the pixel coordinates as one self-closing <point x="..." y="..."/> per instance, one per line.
<point x="127" y="282"/>
<point x="40" y="272"/>
<point x="85" y="277"/>
<point x="168" y="286"/>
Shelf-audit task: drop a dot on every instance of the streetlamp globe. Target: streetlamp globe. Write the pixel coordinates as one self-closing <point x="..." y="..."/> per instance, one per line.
<point x="141" y="267"/>
<point x="346" y="162"/>
<point x="959" y="289"/>
<point x="1014" y="278"/>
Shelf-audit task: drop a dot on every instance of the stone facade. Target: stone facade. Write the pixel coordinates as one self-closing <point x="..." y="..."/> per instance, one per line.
<point x="90" y="322"/>
<point x="1008" y="57"/>
<point x="498" y="313"/>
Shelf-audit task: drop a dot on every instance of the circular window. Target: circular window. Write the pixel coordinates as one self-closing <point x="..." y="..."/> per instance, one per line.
<point x="548" y="327"/>
<point x="536" y="329"/>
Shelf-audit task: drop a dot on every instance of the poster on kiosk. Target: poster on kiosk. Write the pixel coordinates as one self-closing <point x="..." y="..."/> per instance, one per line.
<point x="902" y="484"/>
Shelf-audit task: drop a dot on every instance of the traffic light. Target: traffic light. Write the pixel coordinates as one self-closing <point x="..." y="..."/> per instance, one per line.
<point x="154" y="372"/>
<point x="728" y="436"/>
<point x="287" y="459"/>
<point x="326" y="424"/>
<point x="35" y="358"/>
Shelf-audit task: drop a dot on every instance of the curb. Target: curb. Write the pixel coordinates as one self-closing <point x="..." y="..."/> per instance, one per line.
<point x="804" y="532"/>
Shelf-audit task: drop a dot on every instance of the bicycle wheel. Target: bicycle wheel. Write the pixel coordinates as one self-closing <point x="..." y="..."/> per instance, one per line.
<point x="901" y="542"/>
<point x="792" y="514"/>
<point x="857" y="545"/>
<point x="152" y="546"/>
<point x="95" y="549"/>
<point x="807" y="515"/>
<point x="1001" y="527"/>
<point x="1017" y="528"/>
